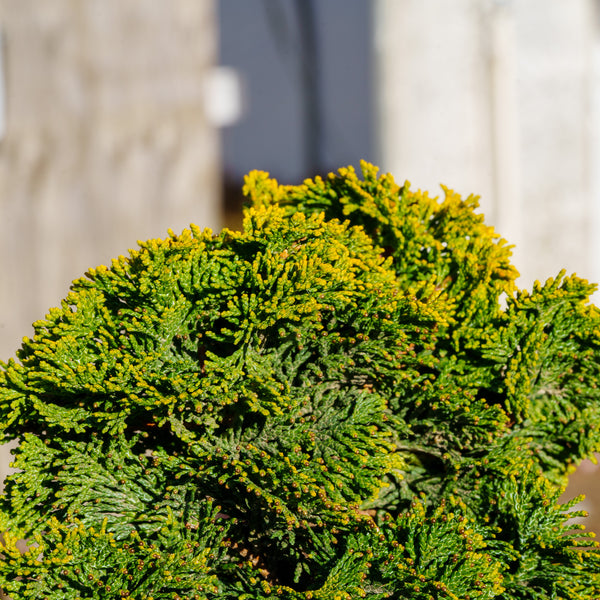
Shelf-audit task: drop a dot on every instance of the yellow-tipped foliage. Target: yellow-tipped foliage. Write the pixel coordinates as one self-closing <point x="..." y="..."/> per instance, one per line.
<point x="333" y="403"/>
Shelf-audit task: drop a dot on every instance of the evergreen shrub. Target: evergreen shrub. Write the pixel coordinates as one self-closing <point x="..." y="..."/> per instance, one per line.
<point x="349" y="398"/>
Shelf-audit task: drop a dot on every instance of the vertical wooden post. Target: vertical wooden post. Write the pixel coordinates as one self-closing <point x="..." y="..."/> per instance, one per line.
<point x="106" y="140"/>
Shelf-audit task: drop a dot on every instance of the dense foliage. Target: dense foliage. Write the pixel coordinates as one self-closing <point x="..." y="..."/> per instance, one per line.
<point x="349" y="398"/>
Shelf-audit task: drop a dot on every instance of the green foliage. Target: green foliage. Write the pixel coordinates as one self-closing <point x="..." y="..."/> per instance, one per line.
<point x="348" y="398"/>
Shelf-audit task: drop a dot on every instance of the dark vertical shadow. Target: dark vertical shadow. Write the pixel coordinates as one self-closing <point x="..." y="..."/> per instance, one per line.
<point x="310" y="85"/>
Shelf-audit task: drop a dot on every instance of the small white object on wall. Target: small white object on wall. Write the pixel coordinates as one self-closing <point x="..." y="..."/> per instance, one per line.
<point x="223" y="96"/>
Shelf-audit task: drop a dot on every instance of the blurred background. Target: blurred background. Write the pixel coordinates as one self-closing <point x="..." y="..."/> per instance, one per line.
<point x="119" y="120"/>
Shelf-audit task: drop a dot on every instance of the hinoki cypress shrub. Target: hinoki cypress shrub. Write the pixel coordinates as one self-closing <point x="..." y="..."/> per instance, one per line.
<point x="349" y="398"/>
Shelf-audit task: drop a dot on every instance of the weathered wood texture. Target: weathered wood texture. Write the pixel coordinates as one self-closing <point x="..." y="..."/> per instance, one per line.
<point x="499" y="98"/>
<point x="502" y="98"/>
<point x="106" y="141"/>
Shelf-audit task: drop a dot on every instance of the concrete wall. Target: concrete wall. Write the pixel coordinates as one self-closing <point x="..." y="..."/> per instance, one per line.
<point x="106" y="140"/>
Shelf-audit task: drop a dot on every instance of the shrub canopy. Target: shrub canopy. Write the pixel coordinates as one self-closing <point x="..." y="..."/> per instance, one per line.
<point x="348" y="398"/>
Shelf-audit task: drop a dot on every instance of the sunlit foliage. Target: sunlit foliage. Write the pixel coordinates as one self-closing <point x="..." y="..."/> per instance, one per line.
<point x="349" y="398"/>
